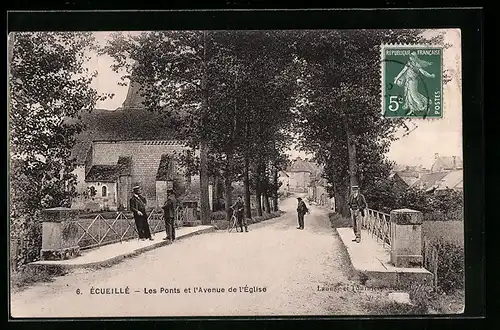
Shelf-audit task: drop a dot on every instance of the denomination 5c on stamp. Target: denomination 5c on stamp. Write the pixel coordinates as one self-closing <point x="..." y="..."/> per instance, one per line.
<point x="412" y="81"/>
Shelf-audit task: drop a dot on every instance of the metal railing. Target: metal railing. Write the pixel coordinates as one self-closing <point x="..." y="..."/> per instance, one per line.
<point x="113" y="227"/>
<point x="179" y="217"/>
<point x="379" y="225"/>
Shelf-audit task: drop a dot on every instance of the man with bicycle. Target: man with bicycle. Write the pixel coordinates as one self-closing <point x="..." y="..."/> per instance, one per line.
<point x="239" y="208"/>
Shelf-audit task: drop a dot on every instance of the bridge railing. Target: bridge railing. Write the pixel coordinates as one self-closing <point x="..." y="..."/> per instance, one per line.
<point x="379" y="225"/>
<point x="112" y="227"/>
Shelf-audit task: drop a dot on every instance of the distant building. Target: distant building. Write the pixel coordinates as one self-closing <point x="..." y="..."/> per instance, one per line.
<point x="442" y="163"/>
<point x="399" y="183"/>
<point x="300" y="173"/>
<point x="453" y="180"/>
<point x="284" y="180"/>
<point x="318" y="190"/>
<point x="446" y="173"/>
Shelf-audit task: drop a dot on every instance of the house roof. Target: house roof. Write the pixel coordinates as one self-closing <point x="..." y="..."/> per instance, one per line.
<point x="165" y="169"/>
<point x="446" y="162"/>
<point x="410" y="180"/>
<point x="103" y="173"/>
<point x="134" y="124"/>
<point x="300" y="165"/>
<point x="109" y="173"/>
<point x="453" y="180"/>
<point x="429" y="180"/>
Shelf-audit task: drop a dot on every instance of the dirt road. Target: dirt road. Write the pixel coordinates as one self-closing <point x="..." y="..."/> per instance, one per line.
<point x="275" y="269"/>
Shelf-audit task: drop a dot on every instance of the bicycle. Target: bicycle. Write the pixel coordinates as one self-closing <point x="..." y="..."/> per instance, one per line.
<point x="233" y="222"/>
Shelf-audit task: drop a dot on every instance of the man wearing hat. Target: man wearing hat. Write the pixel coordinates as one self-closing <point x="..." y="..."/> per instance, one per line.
<point x="357" y="206"/>
<point x="169" y="216"/>
<point x="301" y="211"/>
<point x="138" y="208"/>
<point x="239" y="208"/>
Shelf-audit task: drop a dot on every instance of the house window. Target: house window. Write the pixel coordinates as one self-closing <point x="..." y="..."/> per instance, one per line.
<point x="104" y="191"/>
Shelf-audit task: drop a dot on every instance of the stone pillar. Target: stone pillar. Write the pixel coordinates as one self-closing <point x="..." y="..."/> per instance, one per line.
<point x="406" y="238"/>
<point x="59" y="234"/>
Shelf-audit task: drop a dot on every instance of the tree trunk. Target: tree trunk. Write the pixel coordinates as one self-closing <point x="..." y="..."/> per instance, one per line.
<point x="216" y="194"/>
<point x="341" y="201"/>
<point x="267" y="206"/>
<point x="258" y="190"/>
<point x="228" y="189"/>
<point x="204" y="198"/>
<point x="351" y="149"/>
<point x="246" y="182"/>
<point x="275" y="190"/>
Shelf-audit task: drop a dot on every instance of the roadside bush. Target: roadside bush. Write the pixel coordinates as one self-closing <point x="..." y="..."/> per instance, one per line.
<point x="26" y="233"/>
<point x="450" y="272"/>
<point x="453" y="215"/>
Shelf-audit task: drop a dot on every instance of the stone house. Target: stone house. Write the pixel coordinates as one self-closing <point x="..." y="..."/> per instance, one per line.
<point x="125" y="147"/>
<point x="300" y="173"/>
<point x="284" y="180"/>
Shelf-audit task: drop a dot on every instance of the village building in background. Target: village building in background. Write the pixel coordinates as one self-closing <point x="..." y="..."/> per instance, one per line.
<point x="300" y="173"/>
<point x="446" y="173"/>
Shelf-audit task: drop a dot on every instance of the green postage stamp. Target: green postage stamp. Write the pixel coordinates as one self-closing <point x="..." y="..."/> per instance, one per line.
<point x="412" y="84"/>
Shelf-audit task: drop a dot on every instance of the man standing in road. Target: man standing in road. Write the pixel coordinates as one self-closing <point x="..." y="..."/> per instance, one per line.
<point x="332" y="203"/>
<point x="138" y="208"/>
<point x="301" y="211"/>
<point x="169" y="216"/>
<point x="357" y="205"/>
<point x="239" y="208"/>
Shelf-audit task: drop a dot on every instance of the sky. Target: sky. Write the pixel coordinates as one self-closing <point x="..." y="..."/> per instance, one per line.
<point x="431" y="136"/>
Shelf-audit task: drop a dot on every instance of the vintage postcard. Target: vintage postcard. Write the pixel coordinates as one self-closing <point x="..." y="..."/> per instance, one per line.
<point x="236" y="173"/>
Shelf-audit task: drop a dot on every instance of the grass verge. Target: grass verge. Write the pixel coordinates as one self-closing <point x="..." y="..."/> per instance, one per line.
<point x="30" y="275"/>
<point x="339" y="221"/>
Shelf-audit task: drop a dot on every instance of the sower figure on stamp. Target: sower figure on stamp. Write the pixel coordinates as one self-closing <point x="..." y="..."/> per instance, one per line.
<point x="239" y="208"/>
<point x="301" y="211"/>
<point x="357" y="205"/>
<point x="169" y="216"/>
<point x="138" y="208"/>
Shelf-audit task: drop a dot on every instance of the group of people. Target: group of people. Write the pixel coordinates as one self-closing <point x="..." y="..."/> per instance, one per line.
<point x="357" y="205"/>
<point x="138" y="208"/>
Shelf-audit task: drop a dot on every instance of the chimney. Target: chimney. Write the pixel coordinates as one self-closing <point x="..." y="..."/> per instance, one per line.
<point x="454" y="162"/>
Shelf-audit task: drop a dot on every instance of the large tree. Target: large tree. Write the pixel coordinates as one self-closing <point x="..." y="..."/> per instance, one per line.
<point x="177" y="72"/>
<point x="49" y="86"/>
<point x="339" y="106"/>
<point x="216" y="89"/>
